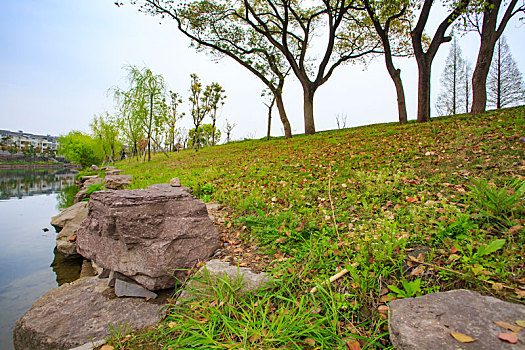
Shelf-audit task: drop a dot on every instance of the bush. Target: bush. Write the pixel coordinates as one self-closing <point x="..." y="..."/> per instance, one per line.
<point x="81" y="149"/>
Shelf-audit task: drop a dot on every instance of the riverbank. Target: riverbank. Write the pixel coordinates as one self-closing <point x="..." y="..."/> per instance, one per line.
<point x="34" y="165"/>
<point x="448" y="193"/>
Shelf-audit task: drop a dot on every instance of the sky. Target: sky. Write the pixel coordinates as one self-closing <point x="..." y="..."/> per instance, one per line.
<point x="58" y="59"/>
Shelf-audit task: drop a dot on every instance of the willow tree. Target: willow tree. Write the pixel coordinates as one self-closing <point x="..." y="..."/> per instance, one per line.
<point x="143" y="102"/>
<point x="215" y="28"/>
<point x="106" y="129"/>
<point x="425" y="52"/>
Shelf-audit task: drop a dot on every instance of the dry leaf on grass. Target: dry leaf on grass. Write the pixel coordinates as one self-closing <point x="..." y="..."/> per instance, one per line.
<point x="418" y="270"/>
<point x="310" y="341"/>
<point x="520" y="293"/>
<point x="508" y="326"/>
<point x="353" y="345"/>
<point x="107" y="347"/>
<point x="463" y="338"/>
<point x="508" y="337"/>
<point x="520" y="323"/>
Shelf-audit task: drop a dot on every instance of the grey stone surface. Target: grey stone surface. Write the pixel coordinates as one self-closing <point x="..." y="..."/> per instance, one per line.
<point x="152" y="236"/>
<point x="118" y="182"/>
<point x="216" y="271"/>
<point x="175" y="182"/>
<point x="113" y="172"/>
<point x="127" y="289"/>
<point x="73" y="314"/>
<point x="67" y="224"/>
<point x="426" y="322"/>
<point x="83" y="179"/>
<point x="89" y="346"/>
<point x="87" y="269"/>
<point x="94" y="168"/>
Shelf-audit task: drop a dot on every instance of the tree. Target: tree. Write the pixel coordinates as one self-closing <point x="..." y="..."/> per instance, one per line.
<point x="215" y="28"/>
<point x="174" y="116"/>
<point x="216" y="98"/>
<point x="484" y="20"/>
<point x="290" y="27"/>
<point x="204" y="136"/>
<point x="504" y="82"/>
<point x="425" y="55"/>
<point x="452" y="96"/>
<point x="81" y="149"/>
<point x="199" y="106"/>
<point x="228" y="128"/>
<point x="106" y="129"/>
<point x="144" y="102"/>
<point x="388" y="17"/>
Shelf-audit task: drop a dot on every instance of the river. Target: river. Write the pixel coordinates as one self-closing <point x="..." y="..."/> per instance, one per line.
<point x="28" y="264"/>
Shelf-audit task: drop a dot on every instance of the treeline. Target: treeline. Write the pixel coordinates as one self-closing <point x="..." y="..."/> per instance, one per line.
<point x="146" y="121"/>
<point x="274" y="39"/>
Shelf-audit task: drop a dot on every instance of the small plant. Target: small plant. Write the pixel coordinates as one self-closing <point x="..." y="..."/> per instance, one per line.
<point x="204" y="192"/>
<point x="495" y="203"/>
<point x="410" y="289"/>
<point x="94" y="188"/>
<point x="472" y="256"/>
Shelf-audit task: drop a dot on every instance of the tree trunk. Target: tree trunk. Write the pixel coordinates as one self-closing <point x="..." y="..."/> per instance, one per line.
<point x="400" y="91"/>
<point x="149" y="126"/>
<point x="479" y="78"/>
<point x="270" y="107"/>
<point x="423" y="91"/>
<point x="284" y="118"/>
<point x="308" y="106"/>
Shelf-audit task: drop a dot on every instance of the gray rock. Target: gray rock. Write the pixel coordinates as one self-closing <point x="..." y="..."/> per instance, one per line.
<point x="175" y="182"/>
<point x="87" y="269"/>
<point x="113" y="172"/>
<point x="214" y="271"/>
<point x="118" y="182"/>
<point x="152" y="236"/>
<point x="67" y="224"/>
<point x="127" y="289"/>
<point x="91" y="345"/>
<point x="83" y="179"/>
<point x="104" y="274"/>
<point x="76" y="313"/>
<point x="426" y="322"/>
<point x="94" y="168"/>
<point x="61" y="220"/>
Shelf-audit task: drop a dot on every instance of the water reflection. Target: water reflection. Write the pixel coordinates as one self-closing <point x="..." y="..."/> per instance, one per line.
<point x="67" y="269"/>
<point x="22" y="183"/>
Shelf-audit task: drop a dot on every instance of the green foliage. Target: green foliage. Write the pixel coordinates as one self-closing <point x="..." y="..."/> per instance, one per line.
<point x="81" y="149"/>
<point x="94" y="188"/>
<point x="410" y="289"/>
<point x="204" y="137"/>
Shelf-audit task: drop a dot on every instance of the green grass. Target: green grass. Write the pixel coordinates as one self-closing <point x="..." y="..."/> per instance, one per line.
<point x="360" y="199"/>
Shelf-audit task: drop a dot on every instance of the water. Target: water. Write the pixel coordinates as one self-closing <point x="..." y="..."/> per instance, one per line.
<point x="28" y="200"/>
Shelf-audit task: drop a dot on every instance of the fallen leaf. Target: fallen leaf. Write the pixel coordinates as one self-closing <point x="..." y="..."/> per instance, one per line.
<point x="508" y="326"/>
<point x="411" y="199"/>
<point x="310" y="341"/>
<point x="463" y="338"/>
<point x="73" y="238"/>
<point x="453" y="250"/>
<point x="280" y="240"/>
<point x="508" y="337"/>
<point x="382" y="309"/>
<point x="520" y="293"/>
<point x="515" y="229"/>
<point x="497" y="287"/>
<point x="353" y="345"/>
<point x="107" y="347"/>
<point x="418" y="270"/>
<point x="521" y="323"/>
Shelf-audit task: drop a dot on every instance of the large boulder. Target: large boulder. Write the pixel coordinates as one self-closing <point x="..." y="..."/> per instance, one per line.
<point x="67" y="224"/>
<point x="78" y="313"/>
<point x="118" y="182"/>
<point x="427" y="322"/>
<point x="152" y="236"/>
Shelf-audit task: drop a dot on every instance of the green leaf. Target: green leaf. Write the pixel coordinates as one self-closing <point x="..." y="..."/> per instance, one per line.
<point x="491" y="248"/>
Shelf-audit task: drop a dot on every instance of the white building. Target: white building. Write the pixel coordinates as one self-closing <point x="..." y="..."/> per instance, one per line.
<point x="24" y="140"/>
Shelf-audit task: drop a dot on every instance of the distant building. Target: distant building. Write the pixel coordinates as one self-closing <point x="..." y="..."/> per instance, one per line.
<point x="22" y="141"/>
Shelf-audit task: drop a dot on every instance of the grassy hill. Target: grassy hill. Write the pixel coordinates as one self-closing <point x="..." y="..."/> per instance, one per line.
<point x="408" y="210"/>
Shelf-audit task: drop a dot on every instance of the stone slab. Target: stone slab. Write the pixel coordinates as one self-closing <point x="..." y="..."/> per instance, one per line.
<point x="127" y="289"/>
<point x="426" y="322"/>
<point x="74" y="314"/>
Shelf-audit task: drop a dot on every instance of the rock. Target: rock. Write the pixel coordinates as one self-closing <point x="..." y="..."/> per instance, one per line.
<point x="118" y="182"/>
<point x="45" y="229"/>
<point x="426" y="322"/>
<point x="175" y="182"/>
<point x="78" y="313"/>
<point x="113" y="276"/>
<point x="70" y="220"/>
<point x="94" y="168"/>
<point x="92" y="181"/>
<point x="127" y="289"/>
<point x="216" y="270"/>
<point x="61" y="220"/>
<point x="80" y="196"/>
<point x="113" y="172"/>
<point x="83" y="179"/>
<point x="104" y="274"/>
<point x="150" y="235"/>
<point x="87" y="269"/>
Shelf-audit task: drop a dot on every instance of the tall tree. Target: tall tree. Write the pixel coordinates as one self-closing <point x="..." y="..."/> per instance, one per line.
<point x="485" y="22"/>
<point x="216" y="98"/>
<point x="451" y="98"/>
<point x="424" y="57"/>
<point x="505" y="86"/>
<point x="390" y="21"/>
<point x="174" y="116"/>
<point x="106" y="129"/>
<point x="290" y="27"/>
<point x="215" y="28"/>
<point x="228" y="128"/>
<point x="199" y="105"/>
